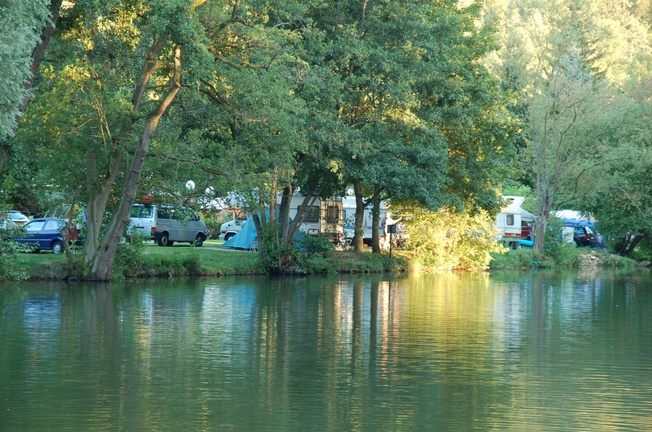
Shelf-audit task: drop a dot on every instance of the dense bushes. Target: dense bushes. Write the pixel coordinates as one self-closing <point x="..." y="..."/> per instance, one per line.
<point x="11" y="266"/>
<point x="450" y="240"/>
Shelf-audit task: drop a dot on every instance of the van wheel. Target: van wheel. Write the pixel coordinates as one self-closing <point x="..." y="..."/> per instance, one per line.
<point x="228" y="236"/>
<point x="199" y="240"/>
<point x="164" y="240"/>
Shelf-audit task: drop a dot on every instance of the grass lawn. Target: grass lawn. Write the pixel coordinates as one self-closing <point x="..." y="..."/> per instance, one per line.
<point x="182" y="259"/>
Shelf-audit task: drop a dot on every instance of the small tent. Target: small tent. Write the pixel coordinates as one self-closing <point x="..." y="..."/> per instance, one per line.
<point x="246" y="239"/>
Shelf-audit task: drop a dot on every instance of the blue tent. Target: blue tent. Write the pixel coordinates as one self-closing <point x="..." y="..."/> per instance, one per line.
<point x="246" y="239"/>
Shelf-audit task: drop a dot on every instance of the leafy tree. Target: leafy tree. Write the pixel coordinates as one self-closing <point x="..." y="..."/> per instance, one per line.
<point x="448" y="239"/>
<point x="104" y="130"/>
<point x="223" y="72"/>
<point x="564" y="59"/>
<point x="21" y="21"/>
<point x="408" y="110"/>
<point x="621" y="194"/>
<point x="26" y="31"/>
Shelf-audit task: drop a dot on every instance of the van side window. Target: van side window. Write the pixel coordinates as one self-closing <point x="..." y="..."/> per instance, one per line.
<point x="509" y="220"/>
<point x="164" y="213"/>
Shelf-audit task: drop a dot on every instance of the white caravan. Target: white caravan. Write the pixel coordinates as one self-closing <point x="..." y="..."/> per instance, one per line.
<point x="322" y="217"/>
<point x="514" y="222"/>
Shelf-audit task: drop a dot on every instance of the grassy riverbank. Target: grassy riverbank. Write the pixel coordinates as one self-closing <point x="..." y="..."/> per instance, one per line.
<point x="209" y="260"/>
<point x="150" y="261"/>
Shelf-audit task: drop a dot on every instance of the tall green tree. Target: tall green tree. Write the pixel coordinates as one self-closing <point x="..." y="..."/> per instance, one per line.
<point x="26" y="30"/>
<point x="566" y="61"/>
<point x="409" y="110"/>
<point x="113" y="107"/>
<point x="21" y="21"/>
<point x="204" y="86"/>
<point x="620" y="191"/>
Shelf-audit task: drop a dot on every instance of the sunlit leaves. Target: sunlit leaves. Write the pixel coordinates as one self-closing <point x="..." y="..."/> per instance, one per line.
<point x="21" y="22"/>
<point x="449" y="240"/>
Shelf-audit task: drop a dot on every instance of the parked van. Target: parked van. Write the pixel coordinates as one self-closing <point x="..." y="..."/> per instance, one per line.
<point x="142" y="220"/>
<point x="167" y="224"/>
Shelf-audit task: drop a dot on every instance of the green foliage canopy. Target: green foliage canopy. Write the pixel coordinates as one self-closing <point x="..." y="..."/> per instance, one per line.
<point x="21" y="22"/>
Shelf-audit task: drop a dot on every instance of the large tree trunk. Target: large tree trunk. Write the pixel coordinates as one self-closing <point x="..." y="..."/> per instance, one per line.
<point x="102" y="263"/>
<point x="544" y="207"/>
<point x="96" y="207"/>
<point x="628" y="243"/>
<point x="358" y="236"/>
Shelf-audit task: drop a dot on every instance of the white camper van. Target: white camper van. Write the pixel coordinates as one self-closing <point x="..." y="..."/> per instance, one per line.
<point x="142" y="220"/>
<point x="167" y="224"/>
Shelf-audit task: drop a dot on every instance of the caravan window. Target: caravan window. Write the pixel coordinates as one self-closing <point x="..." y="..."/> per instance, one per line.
<point x="311" y="214"/>
<point x="509" y="219"/>
<point x="332" y="214"/>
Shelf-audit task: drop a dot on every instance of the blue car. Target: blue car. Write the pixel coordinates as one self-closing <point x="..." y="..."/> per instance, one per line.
<point x="43" y="234"/>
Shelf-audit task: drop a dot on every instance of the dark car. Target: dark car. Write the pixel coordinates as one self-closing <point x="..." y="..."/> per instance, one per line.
<point x="584" y="236"/>
<point x="44" y="234"/>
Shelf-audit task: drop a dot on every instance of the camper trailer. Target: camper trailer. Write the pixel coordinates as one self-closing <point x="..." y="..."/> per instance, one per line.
<point x="514" y="222"/>
<point x="322" y="217"/>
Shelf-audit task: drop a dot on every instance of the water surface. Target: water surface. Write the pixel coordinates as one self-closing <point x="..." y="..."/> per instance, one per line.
<point x="533" y="352"/>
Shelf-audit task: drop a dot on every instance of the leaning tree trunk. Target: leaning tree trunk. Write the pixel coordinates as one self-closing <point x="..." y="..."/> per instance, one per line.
<point x="96" y="206"/>
<point x="102" y="264"/>
<point x="544" y="208"/>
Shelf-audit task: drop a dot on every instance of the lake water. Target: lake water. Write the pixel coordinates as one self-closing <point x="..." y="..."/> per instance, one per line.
<point x="518" y="352"/>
